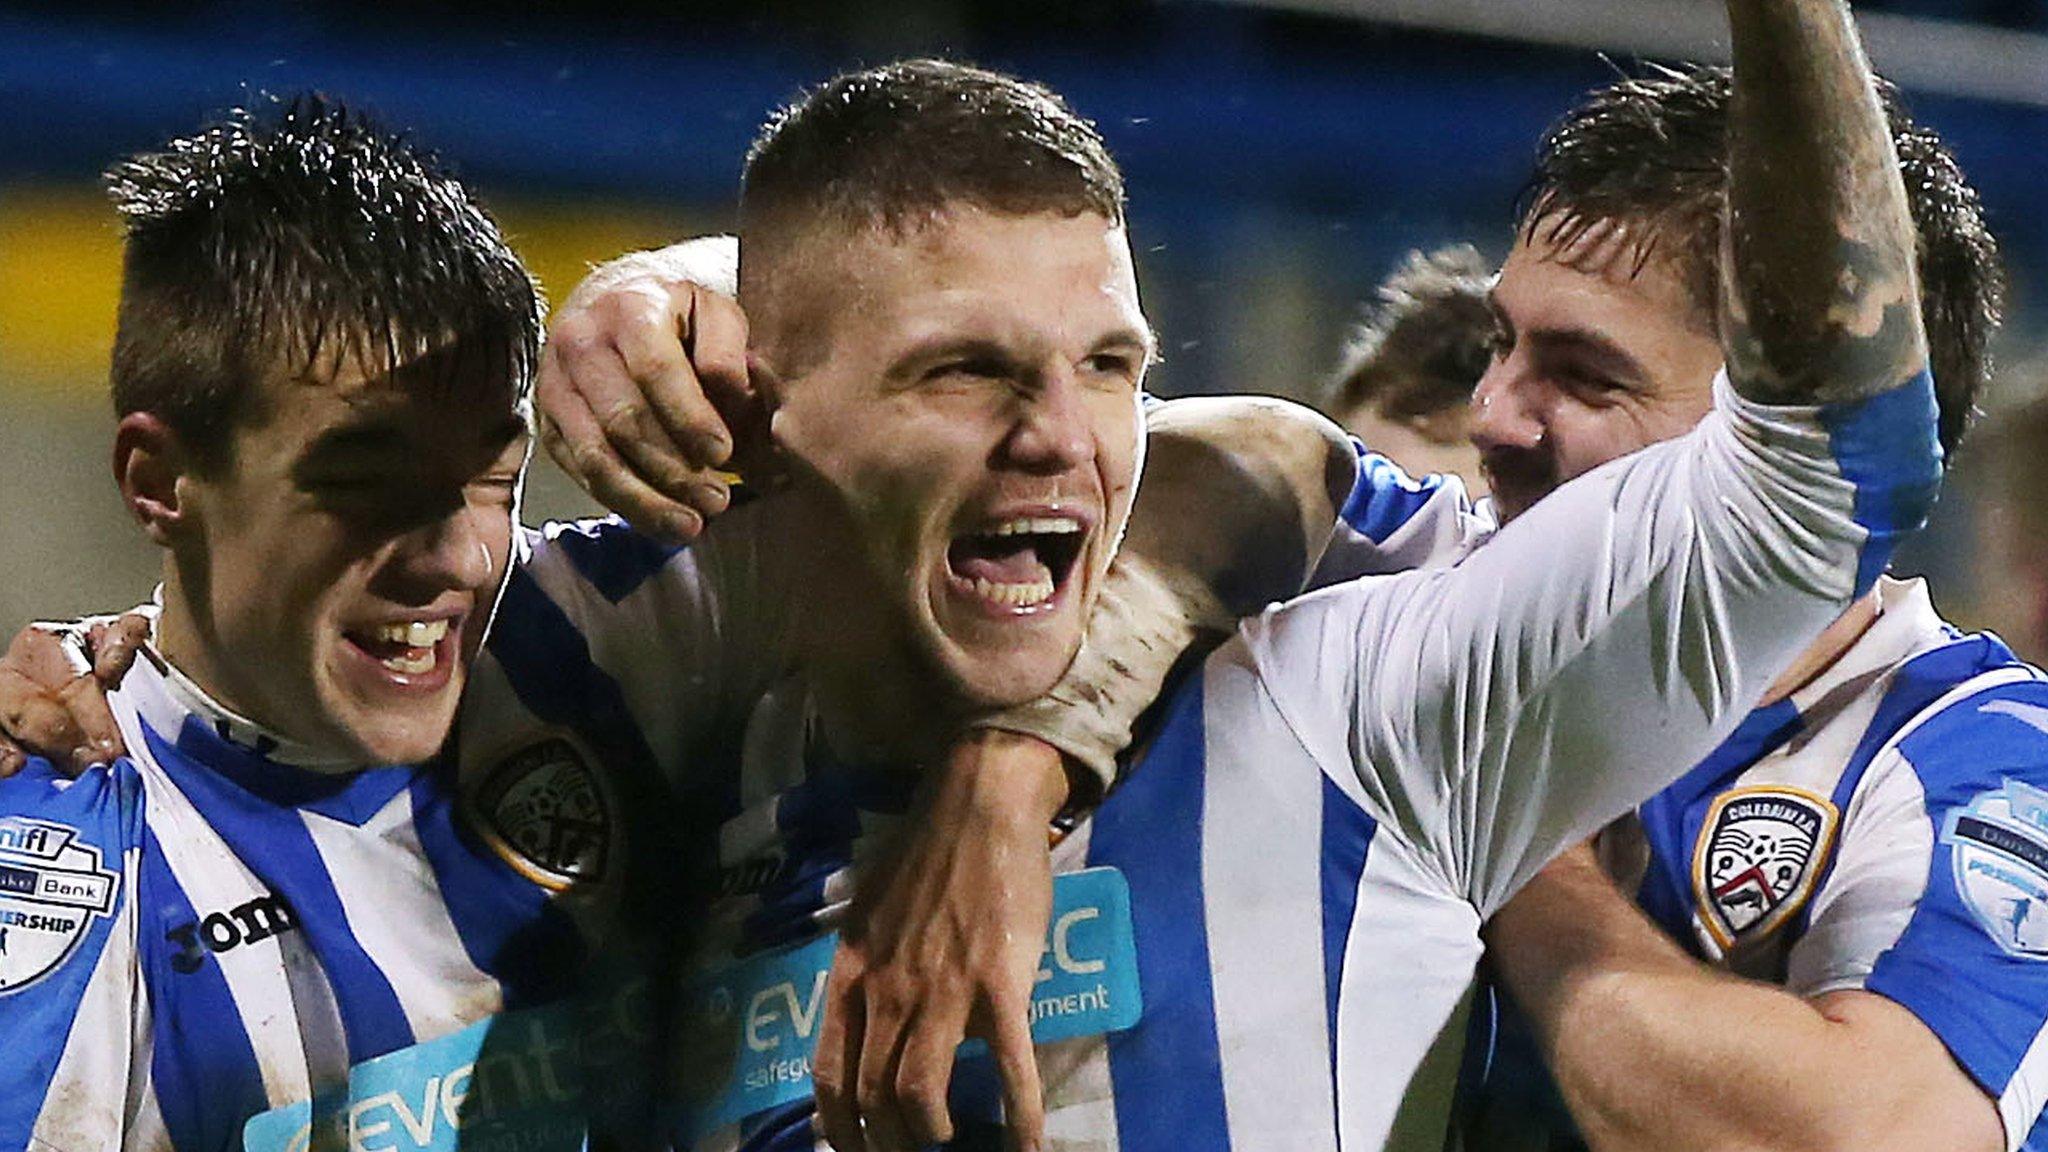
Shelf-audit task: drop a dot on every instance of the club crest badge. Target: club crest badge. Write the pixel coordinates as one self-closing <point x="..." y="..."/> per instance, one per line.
<point x="545" y="810"/>
<point x="1760" y="851"/>
<point x="1998" y="847"/>
<point x="52" y="888"/>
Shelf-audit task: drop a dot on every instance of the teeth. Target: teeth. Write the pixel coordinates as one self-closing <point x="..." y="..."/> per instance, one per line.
<point x="409" y="664"/>
<point x="414" y="633"/>
<point x="1015" y="595"/>
<point x="1045" y="525"/>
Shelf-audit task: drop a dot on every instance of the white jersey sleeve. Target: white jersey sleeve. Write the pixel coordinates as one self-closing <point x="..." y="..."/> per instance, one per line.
<point x="1393" y="522"/>
<point x="1496" y="712"/>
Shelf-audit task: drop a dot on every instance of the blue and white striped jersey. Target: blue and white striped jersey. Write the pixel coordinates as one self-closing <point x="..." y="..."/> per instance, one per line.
<point x="1337" y="798"/>
<point x="205" y="930"/>
<point x="1309" y="844"/>
<point x="1886" y="829"/>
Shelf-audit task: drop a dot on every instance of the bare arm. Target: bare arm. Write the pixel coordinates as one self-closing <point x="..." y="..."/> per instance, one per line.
<point x="1656" y="1051"/>
<point x="1819" y="293"/>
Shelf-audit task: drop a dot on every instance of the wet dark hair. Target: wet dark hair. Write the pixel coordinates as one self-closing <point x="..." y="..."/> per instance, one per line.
<point x="896" y="144"/>
<point x="293" y="233"/>
<point x="1652" y="151"/>
<point x="1425" y="340"/>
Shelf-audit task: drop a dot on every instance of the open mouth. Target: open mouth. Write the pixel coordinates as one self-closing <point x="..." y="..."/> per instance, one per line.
<point x="409" y="648"/>
<point x="1019" y="564"/>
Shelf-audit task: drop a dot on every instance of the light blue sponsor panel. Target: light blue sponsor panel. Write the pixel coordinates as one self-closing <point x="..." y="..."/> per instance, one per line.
<point x="508" y="1084"/>
<point x="753" y="1026"/>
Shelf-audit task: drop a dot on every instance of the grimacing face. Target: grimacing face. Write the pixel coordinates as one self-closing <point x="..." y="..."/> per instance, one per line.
<point x="1594" y="359"/>
<point x="970" y="410"/>
<point x="347" y="559"/>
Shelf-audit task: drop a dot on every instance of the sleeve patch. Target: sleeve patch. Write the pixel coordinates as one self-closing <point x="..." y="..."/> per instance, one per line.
<point x="1998" y="846"/>
<point x="52" y="888"/>
<point x="1760" y="850"/>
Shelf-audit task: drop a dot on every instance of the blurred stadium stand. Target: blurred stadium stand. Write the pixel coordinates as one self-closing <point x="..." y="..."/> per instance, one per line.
<point x="1282" y="155"/>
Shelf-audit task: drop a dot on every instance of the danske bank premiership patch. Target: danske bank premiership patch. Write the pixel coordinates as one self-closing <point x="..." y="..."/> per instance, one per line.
<point x="1998" y="846"/>
<point x="52" y="888"/>
<point x="1760" y="850"/>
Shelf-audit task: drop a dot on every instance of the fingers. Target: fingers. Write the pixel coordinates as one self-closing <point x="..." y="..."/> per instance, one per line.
<point x="114" y="645"/>
<point x="624" y="412"/>
<point x="572" y="436"/>
<point x="718" y="350"/>
<point x="674" y="349"/>
<point x="612" y="373"/>
<point x="837" y="1059"/>
<point x="1017" y="1064"/>
<point x="53" y="709"/>
<point x="34" y="718"/>
<point x="874" y="1084"/>
<point x="85" y="701"/>
<point x="924" y="1072"/>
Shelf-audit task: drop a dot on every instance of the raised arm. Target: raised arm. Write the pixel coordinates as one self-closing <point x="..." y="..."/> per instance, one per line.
<point x="1601" y="643"/>
<point x="1820" y="297"/>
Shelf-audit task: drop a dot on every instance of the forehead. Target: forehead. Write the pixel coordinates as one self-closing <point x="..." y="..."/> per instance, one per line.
<point x="1598" y="280"/>
<point x="344" y="401"/>
<point x="1052" y="274"/>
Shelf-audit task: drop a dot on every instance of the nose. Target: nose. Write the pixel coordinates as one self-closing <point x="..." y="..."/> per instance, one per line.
<point x="1506" y="411"/>
<point x="1052" y="433"/>
<point x="452" y="551"/>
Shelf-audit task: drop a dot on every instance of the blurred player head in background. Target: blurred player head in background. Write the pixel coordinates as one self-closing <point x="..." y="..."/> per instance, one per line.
<point x="942" y="299"/>
<point x="322" y="372"/>
<point x="2013" y="518"/>
<point x="1404" y="382"/>
<point x="1606" y="306"/>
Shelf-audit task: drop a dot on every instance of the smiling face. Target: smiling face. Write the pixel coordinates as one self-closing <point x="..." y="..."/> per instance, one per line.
<point x="963" y="398"/>
<point x="1595" y="359"/>
<point x="333" y="578"/>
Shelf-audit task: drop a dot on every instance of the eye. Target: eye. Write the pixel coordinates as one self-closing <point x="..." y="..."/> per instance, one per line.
<point x="1113" y="363"/>
<point x="968" y="368"/>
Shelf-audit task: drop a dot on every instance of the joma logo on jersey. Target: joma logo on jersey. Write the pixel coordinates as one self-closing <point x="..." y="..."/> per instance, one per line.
<point x="216" y="932"/>
<point x="1761" y="848"/>
<point x="545" y="811"/>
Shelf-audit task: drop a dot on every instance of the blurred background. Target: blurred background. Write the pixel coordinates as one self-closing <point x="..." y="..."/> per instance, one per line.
<point x="1282" y="156"/>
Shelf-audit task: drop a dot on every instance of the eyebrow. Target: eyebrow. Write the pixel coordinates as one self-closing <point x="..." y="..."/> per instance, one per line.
<point x="1572" y="338"/>
<point x="1598" y="346"/>
<point x="943" y="347"/>
<point x="374" y="436"/>
<point x="385" y="437"/>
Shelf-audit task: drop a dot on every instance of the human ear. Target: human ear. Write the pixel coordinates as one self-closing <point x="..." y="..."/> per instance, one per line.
<point x="150" y="460"/>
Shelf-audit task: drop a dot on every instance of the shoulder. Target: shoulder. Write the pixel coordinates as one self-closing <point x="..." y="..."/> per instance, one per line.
<point x="102" y="797"/>
<point x="604" y="553"/>
<point x="1990" y="729"/>
<point x="64" y="845"/>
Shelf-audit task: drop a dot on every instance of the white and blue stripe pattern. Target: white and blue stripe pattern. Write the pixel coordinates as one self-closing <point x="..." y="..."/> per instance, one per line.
<point x="397" y="927"/>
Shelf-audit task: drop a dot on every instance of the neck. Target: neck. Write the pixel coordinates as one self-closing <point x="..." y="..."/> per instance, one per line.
<point x="1839" y="637"/>
<point x="185" y="640"/>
